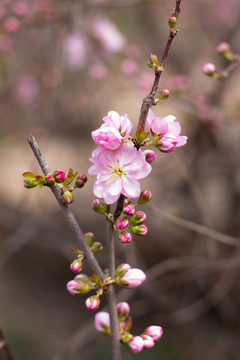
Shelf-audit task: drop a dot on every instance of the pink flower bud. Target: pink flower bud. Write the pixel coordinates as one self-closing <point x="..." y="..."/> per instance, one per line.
<point x="136" y="344"/>
<point x="150" y="155"/>
<point x="167" y="143"/>
<point x="123" y="310"/>
<point x="79" y="183"/>
<point x="93" y="302"/>
<point x="223" y="47"/>
<point x="89" y="237"/>
<point x="67" y="198"/>
<point x="209" y="69"/>
<point x="131" y="279"/>
<point x="121" y="269"/>
<point x="76" y="265"/>
<point x="145" y="197"/>
<point x="71" y="286"/>
<point x="138" y="218"/>
<point x="102" y="322"/>
<point x="59" y="176"/>
<point x="154" y="331"/>
<point x="99" y="206"/>
<point x="122" y="223"/>
<point x="140" y="230"/>
<point x="147" y="341"/>
<point x="164" y="94"/>
<point x="129" y="210"/>
<point x="125" y="237"/>
<point x="50" y="179"/>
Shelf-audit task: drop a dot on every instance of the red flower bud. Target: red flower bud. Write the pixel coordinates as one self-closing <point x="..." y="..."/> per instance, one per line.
<point x="59" y="176"/>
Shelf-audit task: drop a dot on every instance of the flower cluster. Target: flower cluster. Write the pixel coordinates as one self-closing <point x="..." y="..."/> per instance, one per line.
<point x="117" y="163"/>
<point x="136" y="343"/>
<point x="62" y="179"/>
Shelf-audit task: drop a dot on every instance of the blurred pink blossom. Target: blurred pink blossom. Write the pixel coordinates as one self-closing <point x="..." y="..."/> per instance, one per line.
<point x="129" y="67"/>
<point x="27" y="90"/>
<point x="2" y="11"/>
<point x="97" y="71"/>
<point x="74" y="48"/>
<point x="108" y="34"/>
<point x="20" y="8"/>
<point x="11" y="24"/>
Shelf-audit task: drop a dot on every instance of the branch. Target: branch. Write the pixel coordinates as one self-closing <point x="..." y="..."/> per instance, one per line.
<point x="148" y="101"/>
<point x="67" y="212"/>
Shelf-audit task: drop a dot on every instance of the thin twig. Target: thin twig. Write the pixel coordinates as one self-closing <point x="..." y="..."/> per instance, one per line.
<point x="67" y="212"/>
<point x="148" y="101"/>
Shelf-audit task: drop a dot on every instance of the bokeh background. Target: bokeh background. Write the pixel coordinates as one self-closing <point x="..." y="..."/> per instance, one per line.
<point x="63" y="66"/>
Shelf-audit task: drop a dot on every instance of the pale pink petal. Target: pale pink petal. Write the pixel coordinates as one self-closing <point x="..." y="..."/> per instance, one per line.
<point x="131" y="187"/>
<point x="182" y="140"/>
<point x="174" y="128"/>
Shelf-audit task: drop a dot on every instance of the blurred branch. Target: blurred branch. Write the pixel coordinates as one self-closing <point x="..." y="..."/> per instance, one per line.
<point x="4" y="346"/>
<point x="201" y="229"/>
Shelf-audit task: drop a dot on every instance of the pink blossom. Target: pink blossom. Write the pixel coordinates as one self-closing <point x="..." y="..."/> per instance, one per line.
<point x="110" y="37"/>
<point x="97" y="71"/>
<point x="132" y="278"/>
<point x="76" y="265"/>
<point x="118" y="172"/>
<point x="154" y="331"/>
<point x="102" y="321"/>
<point x="121" y="123"/>
<point x="148" y="341"/>
<point x="20" y="8"/>
<point x="108" y="137"/>
<point x="136" y="344"/>
<point x="123" y="309"/>
<point x="121" y="224"/>
<point x="27" y="90"/>
<point x="168" y="131"/>
<point x="209" y="69"/>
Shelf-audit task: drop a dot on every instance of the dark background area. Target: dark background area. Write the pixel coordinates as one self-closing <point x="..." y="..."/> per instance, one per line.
<point x="58" y="79"/>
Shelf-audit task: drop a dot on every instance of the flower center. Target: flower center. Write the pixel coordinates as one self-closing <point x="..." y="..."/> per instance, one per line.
<point x="117" y="170"/>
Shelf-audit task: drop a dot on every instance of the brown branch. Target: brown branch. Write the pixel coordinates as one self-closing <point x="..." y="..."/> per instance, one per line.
<point x="67" y="212"/>
<point x="148" y="101"/>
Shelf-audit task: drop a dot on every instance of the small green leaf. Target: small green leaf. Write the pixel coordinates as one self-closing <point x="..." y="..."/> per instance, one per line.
<point x="29" y="175"/>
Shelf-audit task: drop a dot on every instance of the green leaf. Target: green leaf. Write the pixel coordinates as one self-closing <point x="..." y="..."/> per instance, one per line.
<point x="29" y="175"/>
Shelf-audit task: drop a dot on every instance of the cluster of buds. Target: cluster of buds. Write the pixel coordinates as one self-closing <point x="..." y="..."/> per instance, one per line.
<point x="172" y="23"/>
<point x="133" y="221"/>
<point x="136" y="343"/>
<point x="155" y="64"/>
<point x="223" y="49"/>
<point x="62" y="179"/>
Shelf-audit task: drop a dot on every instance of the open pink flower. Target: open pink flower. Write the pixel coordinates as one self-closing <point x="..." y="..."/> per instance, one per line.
<point x="118" y="172"/>
<point x="168" y="130"/>
<point x="121" y="123"/>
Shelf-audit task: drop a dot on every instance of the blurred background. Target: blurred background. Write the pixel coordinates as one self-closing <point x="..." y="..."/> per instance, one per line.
<point x="63" y="66"/>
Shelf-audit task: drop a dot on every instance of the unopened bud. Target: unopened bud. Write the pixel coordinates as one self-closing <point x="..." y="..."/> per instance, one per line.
<point x="140" y="230"/>
<point x="122" y="223"/>
<point x="172" y="21"/>
<point x="79" y="183"/>
<point x="96" y="247"/>
<point x="125" y="237"/>
<point x="136" y="344"/>
<point x="93" y="302"/>
<point x="154" y="331"/>
<point x="150" y="155"/>
<point x="83" y="177"/>
<point x="50" y="180"/>
<point x="99" y="206"/>
<point x="121" y="269"/>
<point x="209" y="69"/>
<point x="29" y="184"/>
<point x="67" y="198"/>
<point x="59" y="176"/>
<point x="164" y="94"/>
<point x="129" y="210"/>
<point x="144" y="197"/>
<point x="81" y="284"/>
<point x="131" y="279"/>
<point x="89" y="237"/>
<point x="123" y="310"/>
<point x="76" y="265"/>
<point x="138" y="218"/>
<point x="102" y="322"/>
<point x="225" y="51"/>
<point x="148" y="341"/>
